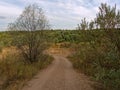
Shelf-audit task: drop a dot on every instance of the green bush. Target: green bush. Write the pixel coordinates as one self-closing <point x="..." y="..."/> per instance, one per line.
<point x="99" y="58"/>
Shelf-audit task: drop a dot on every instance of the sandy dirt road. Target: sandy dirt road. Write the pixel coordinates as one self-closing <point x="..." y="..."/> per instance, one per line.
<point x="60" y="75"/>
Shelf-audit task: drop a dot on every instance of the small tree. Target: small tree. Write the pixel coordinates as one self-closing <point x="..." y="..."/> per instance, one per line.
<point x="91" y="25"/>
<point x="28" y="37"/>
<point x="107" y="18"/>
<point x="83" y="25"/>
<point x="118" y="19"/>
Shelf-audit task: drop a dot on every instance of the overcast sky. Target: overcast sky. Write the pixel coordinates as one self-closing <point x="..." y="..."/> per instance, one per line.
<point x="64" y="14"/>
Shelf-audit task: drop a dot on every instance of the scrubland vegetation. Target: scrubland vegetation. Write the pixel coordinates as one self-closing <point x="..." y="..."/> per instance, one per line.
<point x="95" y="48"/>
<point x="22" y="49"/>
<point x="94" y="54"/>
<point x="98" y="57"/>
<point x="98" y="54"/>
<point x="15" y="70"/>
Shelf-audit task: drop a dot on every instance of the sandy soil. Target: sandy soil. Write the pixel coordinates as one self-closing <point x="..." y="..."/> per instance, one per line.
<point x="60" y="75"/>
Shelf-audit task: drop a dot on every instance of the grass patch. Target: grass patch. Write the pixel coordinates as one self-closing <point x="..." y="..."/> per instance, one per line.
<point x="14" y="72"/>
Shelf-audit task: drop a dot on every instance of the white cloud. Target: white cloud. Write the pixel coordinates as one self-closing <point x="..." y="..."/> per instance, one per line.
<point x="7" y="9"/>
<point x="9" y="12"/>
<point x="61" y="13"/>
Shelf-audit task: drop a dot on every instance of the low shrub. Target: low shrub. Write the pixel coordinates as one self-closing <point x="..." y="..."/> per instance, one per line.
<point x="14" y="72"/>
<point x="101" y="60"/>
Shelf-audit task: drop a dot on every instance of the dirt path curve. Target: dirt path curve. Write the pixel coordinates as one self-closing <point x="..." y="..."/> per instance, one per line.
<point x="60" y="75"/>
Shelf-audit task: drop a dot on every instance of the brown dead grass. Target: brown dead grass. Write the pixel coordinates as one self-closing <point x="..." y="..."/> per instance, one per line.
<point x="13" y="70"/>
<point x="56" y="49"/>
<point x="8" y="50"/>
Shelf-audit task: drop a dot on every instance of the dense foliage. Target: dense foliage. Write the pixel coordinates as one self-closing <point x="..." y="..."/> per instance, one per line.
<point x="100" y="58"/>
